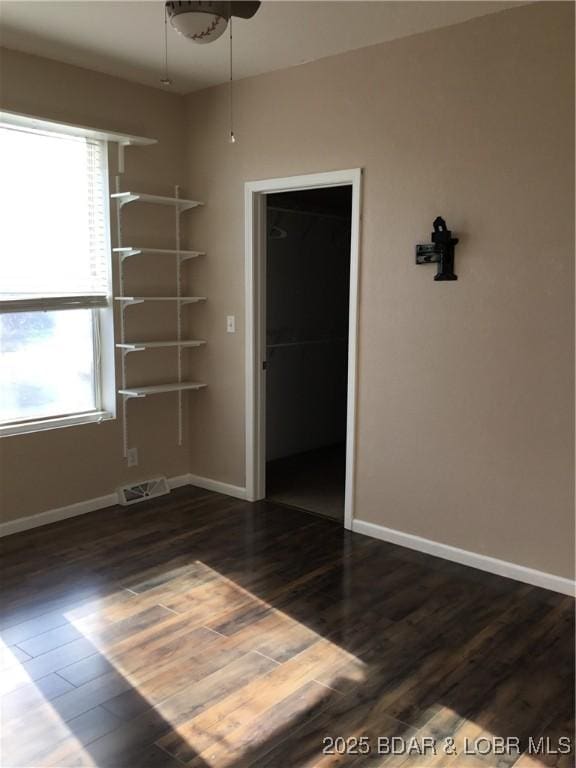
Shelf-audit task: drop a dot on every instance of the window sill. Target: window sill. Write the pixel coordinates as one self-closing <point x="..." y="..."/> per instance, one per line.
<point x="23" y="428"/>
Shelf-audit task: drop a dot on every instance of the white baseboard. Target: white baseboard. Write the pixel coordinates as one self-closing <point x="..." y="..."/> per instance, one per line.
<point x="215" y="485"/>
<point x="60" y="513"/>
<point x="472" y="559"/>
<point x="179" y="481"/>
<point x="100" y="502"/>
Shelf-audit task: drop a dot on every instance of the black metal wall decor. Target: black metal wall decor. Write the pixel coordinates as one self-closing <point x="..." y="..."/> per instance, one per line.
<point x="440" y="251"/>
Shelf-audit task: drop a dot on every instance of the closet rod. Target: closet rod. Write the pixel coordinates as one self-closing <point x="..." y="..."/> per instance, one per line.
<point x="310" y="213"/>
<point x="304" y="343"/>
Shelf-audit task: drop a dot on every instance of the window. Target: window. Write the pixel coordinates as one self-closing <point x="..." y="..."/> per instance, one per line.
<point x="55" y="286"/>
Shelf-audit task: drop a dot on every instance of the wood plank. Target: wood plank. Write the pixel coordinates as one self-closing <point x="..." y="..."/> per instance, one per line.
<point x="124" y="746"/>
<point x="215" y="725"/>
<point x="40" y="666"/>
<point x="244" y="731"/>
<point x="47" y="641"/>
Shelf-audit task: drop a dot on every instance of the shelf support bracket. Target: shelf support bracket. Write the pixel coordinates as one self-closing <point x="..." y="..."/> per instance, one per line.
<point x="121" y="146"/>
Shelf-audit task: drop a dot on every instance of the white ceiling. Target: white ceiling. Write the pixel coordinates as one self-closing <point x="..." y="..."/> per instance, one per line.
<point x="126" y="38"/>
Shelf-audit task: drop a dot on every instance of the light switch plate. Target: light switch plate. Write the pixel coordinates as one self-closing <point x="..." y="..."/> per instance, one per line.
<point x="230" y="323"/>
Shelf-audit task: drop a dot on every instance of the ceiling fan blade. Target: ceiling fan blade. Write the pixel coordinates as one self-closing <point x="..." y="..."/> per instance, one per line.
<point x="243" y="9"/>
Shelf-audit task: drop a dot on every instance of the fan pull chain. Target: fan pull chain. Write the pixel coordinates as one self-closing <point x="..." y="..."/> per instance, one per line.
<point x="232" y="138"/>
<point x="165" y="80"/>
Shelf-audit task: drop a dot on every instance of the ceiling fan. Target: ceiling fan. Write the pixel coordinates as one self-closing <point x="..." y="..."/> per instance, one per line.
<point x="204" y="21"/>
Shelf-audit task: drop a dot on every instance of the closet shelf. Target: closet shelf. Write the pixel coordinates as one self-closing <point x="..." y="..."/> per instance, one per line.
<point x="158" y="389"/>
<point x="132" y="197"/>
<point x="136" y="251"/>
<point x="135" y="346"/>
<point x="127" y="300"/>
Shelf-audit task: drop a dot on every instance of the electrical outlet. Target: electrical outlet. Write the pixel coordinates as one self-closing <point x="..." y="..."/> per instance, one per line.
<point x="132" y="457"/>
<point x="230" y="323"/>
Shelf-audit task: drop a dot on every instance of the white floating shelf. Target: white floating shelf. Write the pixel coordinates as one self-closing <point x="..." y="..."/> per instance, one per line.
<point x="133" y="197"/>
<point x="135" y="251"/>
<point x="141" y="299"/>
<point x="134" y="346"/>
<point x="158" y="389"/>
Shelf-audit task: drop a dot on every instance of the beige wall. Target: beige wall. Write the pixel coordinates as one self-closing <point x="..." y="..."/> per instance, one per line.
<point x="465" y="415"/>
<point x="59" y="467"/>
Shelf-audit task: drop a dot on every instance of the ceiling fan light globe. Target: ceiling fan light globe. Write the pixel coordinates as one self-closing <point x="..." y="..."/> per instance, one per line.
<point x="199" y="26"/>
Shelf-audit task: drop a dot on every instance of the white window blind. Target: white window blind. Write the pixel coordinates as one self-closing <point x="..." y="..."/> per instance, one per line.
<point x="53" y="232"/>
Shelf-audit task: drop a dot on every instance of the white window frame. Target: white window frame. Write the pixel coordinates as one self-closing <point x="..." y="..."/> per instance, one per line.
<point x="102" y="316"/>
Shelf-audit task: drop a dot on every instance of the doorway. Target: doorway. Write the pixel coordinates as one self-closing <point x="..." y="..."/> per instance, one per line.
<point x="302" y="241"/>
<point x="307" y="306"/>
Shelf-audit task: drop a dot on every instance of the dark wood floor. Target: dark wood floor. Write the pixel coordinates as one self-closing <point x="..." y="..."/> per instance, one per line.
<point x="204" y="631"/>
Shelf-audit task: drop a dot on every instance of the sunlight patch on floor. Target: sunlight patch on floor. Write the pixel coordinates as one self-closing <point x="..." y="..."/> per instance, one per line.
<point x="23" y="738"/>
<point x="11" y="672"/>
<point x="204" y="717"/>
<point x="215" y="684"/>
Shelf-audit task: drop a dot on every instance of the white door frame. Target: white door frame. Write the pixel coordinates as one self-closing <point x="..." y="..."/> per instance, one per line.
<point x="255" y="248"/>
